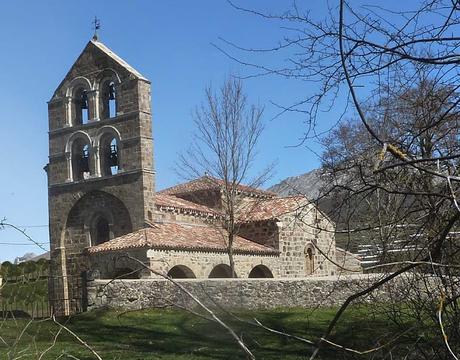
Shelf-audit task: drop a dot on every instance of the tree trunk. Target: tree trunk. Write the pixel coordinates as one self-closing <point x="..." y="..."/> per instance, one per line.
<point x="230" y="254"/>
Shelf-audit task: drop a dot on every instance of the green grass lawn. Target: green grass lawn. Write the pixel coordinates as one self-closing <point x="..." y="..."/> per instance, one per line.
<point x="175" y="334"/>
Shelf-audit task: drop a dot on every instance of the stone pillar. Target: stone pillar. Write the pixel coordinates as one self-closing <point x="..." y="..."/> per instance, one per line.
<point x="68" y="158"/>
<point x="93" y="99"/>
<point x="96" y="163"/>
<point x="68" y="111"/>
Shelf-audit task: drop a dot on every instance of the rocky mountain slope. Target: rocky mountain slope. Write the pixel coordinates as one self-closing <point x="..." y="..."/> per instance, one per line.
<point x="308" y="184"/>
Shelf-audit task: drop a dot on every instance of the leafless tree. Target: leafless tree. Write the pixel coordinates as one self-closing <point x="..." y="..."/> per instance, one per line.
<point x="224" y="148"/>
<point x="395" y="170"/>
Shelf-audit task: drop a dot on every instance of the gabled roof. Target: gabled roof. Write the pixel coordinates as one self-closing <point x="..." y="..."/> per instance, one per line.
<point x="118" y="59"/>
<point x="210" y="183"/>
<point x="270" y="209"/>
<point x="169" y="201"/>
<point x="175" y="236"/>
<point x="95" y="44"/>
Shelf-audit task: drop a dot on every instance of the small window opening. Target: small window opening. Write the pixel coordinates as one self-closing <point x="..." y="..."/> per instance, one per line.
<point x="102" y="231"/>
<point x="310" y="262"/>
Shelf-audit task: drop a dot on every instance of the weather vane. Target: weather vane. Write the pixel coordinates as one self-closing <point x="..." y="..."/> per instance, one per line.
<point x="96" y="27"/>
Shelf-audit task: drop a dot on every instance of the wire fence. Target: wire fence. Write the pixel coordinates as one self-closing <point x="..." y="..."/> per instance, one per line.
<point x="41" y="296"/>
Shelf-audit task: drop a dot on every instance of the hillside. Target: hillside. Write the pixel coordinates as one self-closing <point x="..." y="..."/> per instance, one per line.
<point x="308" y="184"/>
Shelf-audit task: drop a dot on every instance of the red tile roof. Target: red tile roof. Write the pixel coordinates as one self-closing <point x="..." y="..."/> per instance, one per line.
<point x="169" y="201"/>
<point x="181" y="237"/>
<point x="268" y="209"/>
<point x="210" y="183"/>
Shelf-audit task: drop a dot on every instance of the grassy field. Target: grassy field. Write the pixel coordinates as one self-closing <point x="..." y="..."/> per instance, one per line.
<point x="174" y="334"/>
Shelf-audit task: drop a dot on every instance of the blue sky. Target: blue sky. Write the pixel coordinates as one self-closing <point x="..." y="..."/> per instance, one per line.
<point x="169" y="42"/>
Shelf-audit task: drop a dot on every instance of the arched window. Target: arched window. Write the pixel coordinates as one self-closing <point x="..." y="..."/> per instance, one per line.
<point x="221" y="271"/>
<point x="309" y="261"/>
<point x="81" y="107"/>
<point x="108" y="100"/>
<point x="109" y="155"/>
<point x="80" y="160"/>
<point x="260" y="271"/>
<point x="101" y="231"/>
<point x="181" y="272"/>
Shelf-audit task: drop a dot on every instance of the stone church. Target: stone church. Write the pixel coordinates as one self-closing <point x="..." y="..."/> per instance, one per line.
<point x="103" y="202"/>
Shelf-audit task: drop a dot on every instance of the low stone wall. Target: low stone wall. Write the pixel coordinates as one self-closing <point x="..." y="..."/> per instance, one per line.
<point x="247" y="294"/>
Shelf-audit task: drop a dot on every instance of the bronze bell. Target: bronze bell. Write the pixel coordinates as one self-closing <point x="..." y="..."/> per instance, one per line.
<point x="84" y="100"/>
<point x="112" y="91"/>
<point x="113" y="156"/>
<point x="84" y="163"/>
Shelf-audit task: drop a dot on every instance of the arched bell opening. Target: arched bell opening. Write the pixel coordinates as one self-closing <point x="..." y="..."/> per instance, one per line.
<point x="221" y="271"/>
<point x="109" y="155"/>
<point x="80" y="154"/>
<point x="109" y="106"/>
<point x="260" y="271"/>
<point x="181" y="272"/>
<point x="80" y="106"/>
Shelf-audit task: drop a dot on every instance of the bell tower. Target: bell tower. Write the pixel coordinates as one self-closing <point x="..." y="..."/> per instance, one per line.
<point x="100" y="172"/>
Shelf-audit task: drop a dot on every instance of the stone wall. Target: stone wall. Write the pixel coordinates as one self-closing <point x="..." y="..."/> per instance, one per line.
<point x="301" y="230"/>
<point x="249" y="294"/>
<point x="261" y="232"/>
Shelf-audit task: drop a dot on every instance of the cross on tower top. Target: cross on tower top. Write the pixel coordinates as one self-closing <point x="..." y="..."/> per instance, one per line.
<point x="96" y="26"/>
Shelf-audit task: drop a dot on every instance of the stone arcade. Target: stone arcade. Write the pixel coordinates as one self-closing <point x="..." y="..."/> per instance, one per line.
<point x="103" y="204"/>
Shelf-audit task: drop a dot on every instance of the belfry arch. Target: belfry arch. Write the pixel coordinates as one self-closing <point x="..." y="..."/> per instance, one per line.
<point x="108" y="154"/>
<point x="79" y="102"/>
<point x="78" y="153"/>
<point x="108" y="90"/>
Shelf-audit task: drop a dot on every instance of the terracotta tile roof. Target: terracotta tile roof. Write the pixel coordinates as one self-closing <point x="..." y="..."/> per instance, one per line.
<point x="169" y="201"/>
<point x="209" y="183"/>
<point x="267" y="209"/>
<point x="181" y="237"/>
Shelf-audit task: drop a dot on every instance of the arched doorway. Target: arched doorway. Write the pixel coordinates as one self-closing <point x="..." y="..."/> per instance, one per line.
<point x="181" y="272"/>
<point x="260" y="271"/>
<point x="221" y="271"/>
